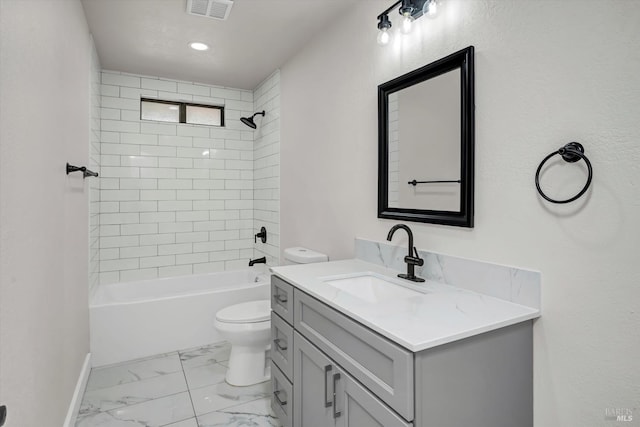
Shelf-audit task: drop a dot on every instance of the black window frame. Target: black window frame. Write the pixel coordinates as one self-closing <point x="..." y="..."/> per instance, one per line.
<point x="182" y="111"/>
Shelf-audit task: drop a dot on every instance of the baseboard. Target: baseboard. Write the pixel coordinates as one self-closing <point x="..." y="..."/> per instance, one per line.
<point x="81" y="385"/>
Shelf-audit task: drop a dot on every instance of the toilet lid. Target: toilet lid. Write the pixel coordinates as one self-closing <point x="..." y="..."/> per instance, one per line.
<point x="246" y="312"/>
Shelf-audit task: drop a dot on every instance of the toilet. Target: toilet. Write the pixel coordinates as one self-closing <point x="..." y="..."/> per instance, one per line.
<point x="247" y="327"/>
<point x="299" y="255"/>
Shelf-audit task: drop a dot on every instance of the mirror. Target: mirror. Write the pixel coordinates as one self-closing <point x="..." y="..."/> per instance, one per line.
<point x="426" y="143"/>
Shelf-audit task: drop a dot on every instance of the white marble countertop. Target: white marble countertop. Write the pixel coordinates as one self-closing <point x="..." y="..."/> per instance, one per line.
<point x="439" y="314"/>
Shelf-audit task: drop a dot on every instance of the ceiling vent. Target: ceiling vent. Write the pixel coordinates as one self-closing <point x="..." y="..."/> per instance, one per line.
<point x="216" y="9"/>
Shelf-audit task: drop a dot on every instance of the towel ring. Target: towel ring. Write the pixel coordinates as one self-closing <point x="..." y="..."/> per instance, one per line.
<point x="571" y="153"/>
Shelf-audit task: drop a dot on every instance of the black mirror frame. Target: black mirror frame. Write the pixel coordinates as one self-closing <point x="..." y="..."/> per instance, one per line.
<point x="463" y="60"/>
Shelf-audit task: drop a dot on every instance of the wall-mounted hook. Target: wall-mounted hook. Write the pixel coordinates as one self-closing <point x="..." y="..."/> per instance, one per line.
<point x="85" y="172"/>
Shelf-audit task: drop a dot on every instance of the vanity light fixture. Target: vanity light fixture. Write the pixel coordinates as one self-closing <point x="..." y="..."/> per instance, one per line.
<point x="406" y="9"/>
<point x="410" y="10"/>
<point x="430" y="8"/>
<point x="384" y="35"/>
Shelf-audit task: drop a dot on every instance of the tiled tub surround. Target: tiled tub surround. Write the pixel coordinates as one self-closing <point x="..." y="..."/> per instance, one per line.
<point x="179" y="389"/>
<point x="508" y="283"/>
<point x="266" y="168"/>
<point x="175" y="199"/>
<point x="139" y="319"/>
<point x="93" y="183"/>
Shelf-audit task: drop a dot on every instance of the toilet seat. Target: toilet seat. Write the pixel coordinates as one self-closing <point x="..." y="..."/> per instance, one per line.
<point x="246" y="312"/>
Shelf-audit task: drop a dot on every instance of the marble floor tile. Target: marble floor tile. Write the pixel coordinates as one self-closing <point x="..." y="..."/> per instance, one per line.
<point x="153" y="413"/>
<point x="104" y="419"/>
<point x="213" y="353"/>
<point x="222" y="395"/>
<point x="205" y="375"/>
<point x="181" y="389"/>
<point x="191" y="422"/>
<point x="256" y="413"/>
<point x="109" y="398"/>
<point x="136" y="370"/>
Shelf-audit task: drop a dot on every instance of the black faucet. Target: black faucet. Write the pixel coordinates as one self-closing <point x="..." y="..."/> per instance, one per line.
<point x="409" y="259"/>
<point x="262" y="260"/>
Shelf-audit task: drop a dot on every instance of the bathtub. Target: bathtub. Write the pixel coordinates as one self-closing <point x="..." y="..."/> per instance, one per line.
<point x="143" y="318"/>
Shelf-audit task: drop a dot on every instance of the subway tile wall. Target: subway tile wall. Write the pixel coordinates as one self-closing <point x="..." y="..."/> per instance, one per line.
<point x="93" y="183"/>
<point x="175" y="199"/>
<point x="266" y="167"/>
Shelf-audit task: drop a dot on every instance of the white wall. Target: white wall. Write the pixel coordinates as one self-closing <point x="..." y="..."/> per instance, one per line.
<point x="546" y="74"/>
<point x="175" y="199"/>
<point x="45" y="75"/>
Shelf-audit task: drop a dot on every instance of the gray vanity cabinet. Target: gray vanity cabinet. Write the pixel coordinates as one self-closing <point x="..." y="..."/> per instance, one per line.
<point x="282" y="350"/>
<point x="312" y="385"/>
<point x="327" y="396"/>
<point x="342" y="374"/>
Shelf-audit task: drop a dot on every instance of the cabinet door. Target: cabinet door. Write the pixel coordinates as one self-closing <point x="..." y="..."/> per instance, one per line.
<point x="312" y="385"/>
<point x="358" y="407"/>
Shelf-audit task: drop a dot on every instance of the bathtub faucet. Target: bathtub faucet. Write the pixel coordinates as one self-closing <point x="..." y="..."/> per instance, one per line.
<point x="262" y="260"/>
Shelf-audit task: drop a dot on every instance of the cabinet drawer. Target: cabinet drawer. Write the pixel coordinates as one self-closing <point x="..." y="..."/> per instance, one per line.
<point x="380" y="365"/>
<point x="282" y="345"/>
<point x="282" y="396"/>
<point x="282" y="298"/>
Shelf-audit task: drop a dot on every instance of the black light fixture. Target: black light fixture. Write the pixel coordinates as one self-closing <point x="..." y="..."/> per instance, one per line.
<point x="384" y="35"/>
<point x="406" y="10"/>
<point x="410" y="10"/>
<point x="249" y="120"/>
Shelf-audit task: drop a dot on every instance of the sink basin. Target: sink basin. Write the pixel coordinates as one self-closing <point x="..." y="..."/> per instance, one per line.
<point x="371" y="287"/>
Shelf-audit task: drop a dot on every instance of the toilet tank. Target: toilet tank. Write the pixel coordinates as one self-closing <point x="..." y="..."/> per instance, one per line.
<point x="299" y="255"/>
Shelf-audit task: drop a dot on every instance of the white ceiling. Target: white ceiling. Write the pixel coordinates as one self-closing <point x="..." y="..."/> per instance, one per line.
<point x="151" y="37"/>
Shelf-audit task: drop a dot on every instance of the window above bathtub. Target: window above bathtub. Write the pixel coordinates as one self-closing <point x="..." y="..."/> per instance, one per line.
<point x="181" y="112"/>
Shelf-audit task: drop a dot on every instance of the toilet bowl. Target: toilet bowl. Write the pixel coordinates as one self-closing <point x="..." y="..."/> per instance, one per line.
<point x="247" y="327"/>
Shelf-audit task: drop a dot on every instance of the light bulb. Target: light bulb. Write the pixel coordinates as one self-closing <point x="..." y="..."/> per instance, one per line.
<point x="407" y="24"/>
<point x="430" y="8"/>
<point x="384" y="36"/>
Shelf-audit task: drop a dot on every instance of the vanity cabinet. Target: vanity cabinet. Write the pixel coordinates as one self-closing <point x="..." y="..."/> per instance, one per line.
<point x="282" y="350"/>
<point x="326" y="395"/>
<point x="341" y="373"/>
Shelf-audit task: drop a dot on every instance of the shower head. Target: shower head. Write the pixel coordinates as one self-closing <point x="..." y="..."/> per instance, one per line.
<point x="249" y="120"/>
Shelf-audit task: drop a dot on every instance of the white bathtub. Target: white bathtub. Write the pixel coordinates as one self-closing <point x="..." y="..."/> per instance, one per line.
<point x="139" y="319"/>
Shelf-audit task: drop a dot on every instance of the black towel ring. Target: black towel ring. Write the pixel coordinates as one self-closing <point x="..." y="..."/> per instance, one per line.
<point x="571" y="153"/>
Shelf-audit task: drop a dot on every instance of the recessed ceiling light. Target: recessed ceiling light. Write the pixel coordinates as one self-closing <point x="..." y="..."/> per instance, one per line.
<point x="198" y="46"/>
